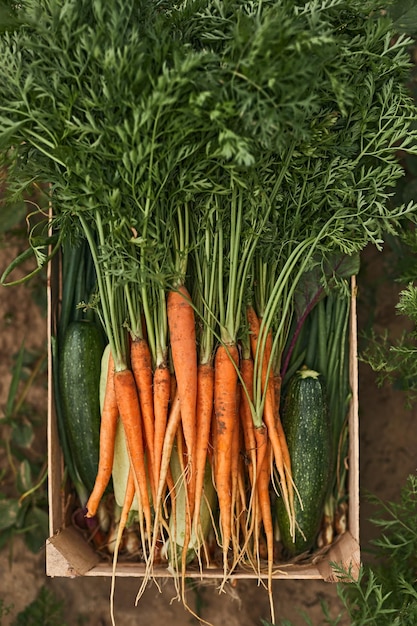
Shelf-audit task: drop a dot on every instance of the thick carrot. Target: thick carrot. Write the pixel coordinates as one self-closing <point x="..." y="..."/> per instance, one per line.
<point x="141" y="364"/>
<point x="161" y="397"/>
<point x="129" y="410"/>
<point x="109" y="416"/>
<point x="225" y="410"/>
<point x="181" y="323"/>
<point x="205" y="387"/>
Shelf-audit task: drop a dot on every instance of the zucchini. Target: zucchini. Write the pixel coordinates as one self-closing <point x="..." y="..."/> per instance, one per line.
<point x="79" y="375"/>
<point x="305" y="419"/>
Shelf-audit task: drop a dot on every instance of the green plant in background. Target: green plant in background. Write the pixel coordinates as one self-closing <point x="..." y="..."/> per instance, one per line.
<point x="386" y="593"/>
<point x="23" y="502"/>
<point x="4" y="610"/>
<point x="45" y="610"/>
<point x="395" y="360"/>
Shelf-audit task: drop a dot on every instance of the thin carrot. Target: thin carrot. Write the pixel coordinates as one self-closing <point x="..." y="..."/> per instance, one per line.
<point x="141" y="364"/>
<point x="161" y="396"/>
<point x="250" y="445"/>
<point x="127" y="504"/>
<point x="270" y="412"/>
<point x="237" y="507"/>
<point x="181" y="323"/>
<point x="129" y="410"/>
<point x="174" y="420"/>
<point x="109" y="416"/>
<point x="280" y="430"/>
<point x="246" y="398"/>
<point x="225" y="410"/>
<point x="205" y="387"/>
<point x="254" y="328"/>
<point x="263" y="481"/>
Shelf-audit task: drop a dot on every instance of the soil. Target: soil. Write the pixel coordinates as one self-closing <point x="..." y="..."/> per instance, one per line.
<point x="388" y="444"/>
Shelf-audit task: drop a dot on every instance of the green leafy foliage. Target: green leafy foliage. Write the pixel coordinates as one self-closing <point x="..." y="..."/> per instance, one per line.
<point x="141" y="115"/>
<point x="11" y="214"/>
<point x="24" y="509"/>
<point x="45" y="610"/>
<point x="386" y="593"/>
<point x="404" y="15"/>
<point x="4" y="609"/>
<point x="394" y="360"/>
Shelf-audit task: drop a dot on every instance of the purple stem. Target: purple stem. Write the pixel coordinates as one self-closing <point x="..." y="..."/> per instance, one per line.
<point x="301" y="321"/>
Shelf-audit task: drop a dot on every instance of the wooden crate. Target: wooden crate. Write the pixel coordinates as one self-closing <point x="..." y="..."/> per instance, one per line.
<point x="69" y="555"/>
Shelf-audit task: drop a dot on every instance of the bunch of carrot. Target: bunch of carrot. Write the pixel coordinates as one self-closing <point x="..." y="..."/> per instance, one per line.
<point x="191" y="381"/>
<point x="206" y="409"/>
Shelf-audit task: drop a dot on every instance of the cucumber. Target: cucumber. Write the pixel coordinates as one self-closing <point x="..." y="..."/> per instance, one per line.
<point x="305" y="419"/>
<point x="79" y="375"/>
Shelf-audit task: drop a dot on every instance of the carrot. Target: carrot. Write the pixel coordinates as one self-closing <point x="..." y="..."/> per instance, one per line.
<point x="250" y="443"/>
<point x="254" y="328"/>
<point x="225" y="410"/>
<point x="280" y="430"/>
<point x="205" y="387"/>
<point x="161" y="396"/>
<point x="129" y="410"/>
<point x="127" y="504"/>
<point x="141" y="364"/>
<point x="265" y="509"/>
<point x="181" y="324"/>
<point x="270" y="412"/>
<point x="238" y="505"/>
<point x="174" y="420"/>
<point x="262" y="446"/>
<point x="246" y="398"/>
<point x="109" y="416"/>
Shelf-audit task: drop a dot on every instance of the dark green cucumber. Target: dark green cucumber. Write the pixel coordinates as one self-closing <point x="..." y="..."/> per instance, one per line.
<point x="306" y="424"/>
<point x="79" y="372"/>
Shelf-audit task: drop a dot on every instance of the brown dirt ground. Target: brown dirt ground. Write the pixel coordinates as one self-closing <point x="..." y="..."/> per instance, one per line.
<point x="388" y="444"/>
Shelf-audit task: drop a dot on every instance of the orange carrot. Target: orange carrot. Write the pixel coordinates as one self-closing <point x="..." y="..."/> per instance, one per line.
<point x="280" y="429"/>
<point x="246" y="398"/>
<point x="254" y="327"/>
<point x="205" y="386"/>
<point x="141" y="364"/>
<point x="109" y="416"/>
<point x="165" y="475"/>
<point x="181" y="325"/>
<point x="128" y="500"/>
<point x="161" y="396"/>
<point x="236" y="508"/>
<point x="129" y="410"/>
<point x="265" y="509"/>
<point x="225" y="410"/>
<point x="174" y="420"/>
<point x="270" y="411"/>
<point x="250" y="444"/>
